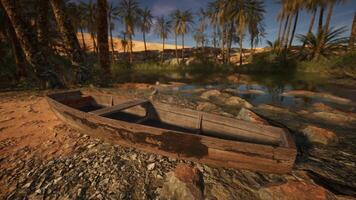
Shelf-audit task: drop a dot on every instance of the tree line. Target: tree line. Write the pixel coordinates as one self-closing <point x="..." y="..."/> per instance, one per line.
<point x="39" y="31"/>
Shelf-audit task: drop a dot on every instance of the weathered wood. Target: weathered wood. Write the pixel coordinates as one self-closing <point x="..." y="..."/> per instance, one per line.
<point x="114" y="109"/>
<point x="198" y="148"/>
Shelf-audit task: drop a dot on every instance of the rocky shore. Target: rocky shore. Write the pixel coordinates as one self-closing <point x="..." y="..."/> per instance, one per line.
<point x="42" y="158"/>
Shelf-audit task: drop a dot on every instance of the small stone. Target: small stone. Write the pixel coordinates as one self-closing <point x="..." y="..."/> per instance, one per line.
<point x="210" y="93"/>
<point x="150" y="166"/>
<point x="91" y="146"/>
<point x="248" y="115"/>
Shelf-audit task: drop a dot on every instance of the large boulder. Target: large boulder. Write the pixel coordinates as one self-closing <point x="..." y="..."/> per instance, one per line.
<point x="210" y="93"/>
<point x="185" y="182"/>
<point x="319" y="135"/>
<point x="237" y="101"/>
<point x="248" y="115"/>
<point x="295" y="190"/>
<point x="206" y="107"/>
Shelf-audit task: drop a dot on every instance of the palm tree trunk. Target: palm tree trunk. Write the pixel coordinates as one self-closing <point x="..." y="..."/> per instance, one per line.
<point x="286" y="39"/>
<point x="42" y="22"/>
<point x="214" y="41"/>
<point x="111" y="39"/>
<point x="16" y="49"/>
<point x="284" y="32"/>
<point x="103" y="43"/>
<point x="67" y="31"/>
<point x="321" y="16"/>
<point x="241" y="49"/>
<point x="95" y="48"/>
<point x="311" y="25"/>
<point x="162" y="57"/>
<point x="312" y="20"/>
<point x="353" y="34"/>
<point x="294" y="28"/>
<point x="83" y="40"/>
<point x="183" y="48"/>
<point x="324" y="30"/>
<point x="328" y="18"/>
<point x="223" y="43"/>
<point x="144" y="42"/>
<point x="130" y="38"/>
<point x="175" y="40"/>
<point x="35" y="55"/>
<point x="280" y="30"/>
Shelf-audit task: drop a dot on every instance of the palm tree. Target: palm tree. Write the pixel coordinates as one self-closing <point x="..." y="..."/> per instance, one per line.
<point x="91" y="21"/>
<point x="35" y="54"/>
<point x="333" y="43"/>
<point x="175" y="16"/>
<point x="42" y="22"/>
<point x="212" y="12"/>
<point x="162" y="28"/>
<point x="67" y="31"/>
<point x="129" y="13"/>
<point x="238" y="11"/>
<point x="255" y="22"/>
<point x="112" y="11"/>
<point x="297" y="5"/>
<point x="103" y="44"/>
<point x="82" y="14"/>
<point x="202" y="14"/>
<point x="145" y="24"/>
<point x="325" y="29"/>
<point x="184" y="25"/>
<point x="353" y="34"/>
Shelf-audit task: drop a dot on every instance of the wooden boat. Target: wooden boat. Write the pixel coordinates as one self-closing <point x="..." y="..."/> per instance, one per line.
<point x="177" y="132"/>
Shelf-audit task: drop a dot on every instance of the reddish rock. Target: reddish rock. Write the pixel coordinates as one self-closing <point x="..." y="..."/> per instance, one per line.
<point x="184" y="183"/>
<point x="248" y="115"/>
<point x="296" y="190"/>
<point x="319" y="135"/>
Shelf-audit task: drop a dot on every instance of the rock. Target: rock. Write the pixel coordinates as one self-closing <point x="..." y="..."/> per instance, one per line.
<point x="295" y="190"/>
<point x="234" y="78"/>
<point x="150" y="166"/>
<point x="333" y="117"/>
<point x="248" y="115"/>
<point x="136" y="86"/>
<point x="236" y="91"/>
<point x="184" y="183"/>
<point x="210" y="93"/>
<point x="319" y="135"/>
<point x="237" y="101"/>
<point x="206" y="106"/>
<point x="318" y="95"/>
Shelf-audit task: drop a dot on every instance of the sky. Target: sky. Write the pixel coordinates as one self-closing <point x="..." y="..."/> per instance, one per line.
<point x="343" y="16"/>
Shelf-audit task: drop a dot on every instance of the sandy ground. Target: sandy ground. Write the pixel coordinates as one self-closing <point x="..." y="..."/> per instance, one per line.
<point x="26" y="122"/>
<point x="137" y="45"/>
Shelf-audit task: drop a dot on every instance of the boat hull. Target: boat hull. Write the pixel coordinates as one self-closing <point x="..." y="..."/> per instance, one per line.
<point x="194" y="147"/>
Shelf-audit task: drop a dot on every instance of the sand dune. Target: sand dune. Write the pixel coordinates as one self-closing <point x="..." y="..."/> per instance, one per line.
<point x="137" y="45"/>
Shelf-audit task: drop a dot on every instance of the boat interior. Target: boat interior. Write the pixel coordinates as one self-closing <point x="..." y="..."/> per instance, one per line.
<point x="166" y="117"/>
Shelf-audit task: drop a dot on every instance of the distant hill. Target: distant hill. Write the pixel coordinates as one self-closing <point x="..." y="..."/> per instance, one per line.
<point x="137" y="45"/>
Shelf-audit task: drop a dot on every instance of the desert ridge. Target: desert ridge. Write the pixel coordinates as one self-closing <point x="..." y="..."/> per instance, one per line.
<point x="137" y="45"/>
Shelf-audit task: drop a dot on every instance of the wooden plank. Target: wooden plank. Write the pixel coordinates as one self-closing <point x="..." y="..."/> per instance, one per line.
<point x="113" y="109"/>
